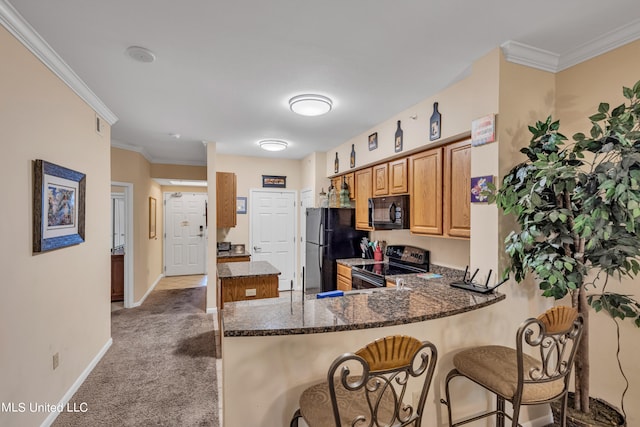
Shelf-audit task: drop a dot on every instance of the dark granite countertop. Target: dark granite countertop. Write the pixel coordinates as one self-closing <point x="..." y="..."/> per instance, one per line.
<point x="424" y="299"/>
<point x="352" y="262"/>
<point x="231" y="254"/>
<point x="246" y="269"/>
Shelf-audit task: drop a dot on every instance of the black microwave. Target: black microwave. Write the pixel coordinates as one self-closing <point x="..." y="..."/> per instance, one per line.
<point x="389" y="212"/>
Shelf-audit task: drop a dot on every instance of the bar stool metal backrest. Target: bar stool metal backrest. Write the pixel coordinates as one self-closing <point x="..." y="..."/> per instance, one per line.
<point x="371" y="386"/>
<point x="536" y="371"/>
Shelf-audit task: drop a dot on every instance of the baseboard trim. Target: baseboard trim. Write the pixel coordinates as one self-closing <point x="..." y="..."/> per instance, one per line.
<point x="76" y="385"/>
<point x="151" y="288"/>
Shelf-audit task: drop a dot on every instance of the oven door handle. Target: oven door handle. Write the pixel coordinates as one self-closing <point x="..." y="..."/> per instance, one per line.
<point x="365" y="278"/>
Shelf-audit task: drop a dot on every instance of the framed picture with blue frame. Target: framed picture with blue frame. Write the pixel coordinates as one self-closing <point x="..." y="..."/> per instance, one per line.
<point x="58" y="206"/>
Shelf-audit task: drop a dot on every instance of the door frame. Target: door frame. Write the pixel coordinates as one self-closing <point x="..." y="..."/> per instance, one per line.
<point x="302" y="259"/>
<point x="165" y="194"/>
<point x="129" y="239"/>
<point x="252" y="191"/>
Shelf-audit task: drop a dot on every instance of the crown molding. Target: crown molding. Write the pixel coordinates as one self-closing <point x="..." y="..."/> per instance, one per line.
<point x="29" y="37"/>
<point x="161" y="161"/>
<point x="135" y="148"/>
<point x="603" y="44"/>
<point x="520" y="53"/>
<point x="151" y="159"/>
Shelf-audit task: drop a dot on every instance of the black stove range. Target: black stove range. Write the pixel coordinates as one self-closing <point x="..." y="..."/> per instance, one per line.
<point x="401" y="260"/>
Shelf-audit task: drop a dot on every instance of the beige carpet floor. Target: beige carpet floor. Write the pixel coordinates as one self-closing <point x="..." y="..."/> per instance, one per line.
<point x="160" y="369"/>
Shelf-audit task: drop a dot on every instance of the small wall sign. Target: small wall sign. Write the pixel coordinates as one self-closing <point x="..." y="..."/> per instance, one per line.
<point x="478" y="185"/>
<point x="241" y="205"/>
<point x="373" y="141"/>
<point x="274" y="181"/>
<point x="483" y="130"/>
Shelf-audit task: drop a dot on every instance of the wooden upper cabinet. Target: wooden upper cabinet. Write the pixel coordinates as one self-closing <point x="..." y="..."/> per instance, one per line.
<point x="225" y="199"/>
<point x="457" y="185"/>
<point x="351" y="183"/>
<point x="336" y="181"/>
<point x="425" y="187"/>
<point x="398" y="177"/>
<point x="381" y="180"/>
<point x="364" y="190"/>
<point x="349" y="178"/>
<point x="390" y="178"/>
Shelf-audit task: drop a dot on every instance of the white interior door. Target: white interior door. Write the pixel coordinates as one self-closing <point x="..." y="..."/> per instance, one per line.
<point x="118" y="220"/>
<point x="306" y="201"/>
<point x="272" y="232"/>
<point x="185" y="234"/>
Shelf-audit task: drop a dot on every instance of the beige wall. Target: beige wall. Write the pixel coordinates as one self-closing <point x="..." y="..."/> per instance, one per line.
<point x="212" y="283"/>
<point x="580" y="89"/>
<point x="249" y="171"/>
<point x="183" y="189"/>
<point x="132" y="167"/>
<point x="178" y="172"/>
<point x="58" y="301"/>
<point x="314" y="176"/>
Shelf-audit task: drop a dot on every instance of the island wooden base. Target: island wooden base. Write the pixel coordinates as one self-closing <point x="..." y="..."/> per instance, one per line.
<point x="248" y="288"/>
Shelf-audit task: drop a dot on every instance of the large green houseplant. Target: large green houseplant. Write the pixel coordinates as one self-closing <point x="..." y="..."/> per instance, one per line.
<point x="578" y="207"/>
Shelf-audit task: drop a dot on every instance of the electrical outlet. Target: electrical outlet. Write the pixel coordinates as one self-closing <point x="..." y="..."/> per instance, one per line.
<point x="56" y="360"/>
<point x="250" y="293"/>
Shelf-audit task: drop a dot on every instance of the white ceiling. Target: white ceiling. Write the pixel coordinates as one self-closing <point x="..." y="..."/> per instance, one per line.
<point x="225" y="69"/>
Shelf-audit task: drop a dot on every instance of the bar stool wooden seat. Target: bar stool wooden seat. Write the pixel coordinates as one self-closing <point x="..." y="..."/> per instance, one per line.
<point x="537" y="371"/>
<point x="372" y="386"/>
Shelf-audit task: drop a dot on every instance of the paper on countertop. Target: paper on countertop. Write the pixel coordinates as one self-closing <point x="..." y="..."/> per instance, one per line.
<point x="429" y="275"/>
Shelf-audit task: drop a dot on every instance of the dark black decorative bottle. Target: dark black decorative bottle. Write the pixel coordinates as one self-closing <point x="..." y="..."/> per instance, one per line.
<point x="434" y="123"/>
<point x="336" y="164"/>
<point x="352" y="158"/>
<point x="398" y="139"/>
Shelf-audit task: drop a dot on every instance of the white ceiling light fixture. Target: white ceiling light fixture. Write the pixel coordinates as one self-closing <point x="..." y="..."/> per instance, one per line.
<point x="273" y="144"/>
<point x="310" y="105"/>
<point x="141" y="54"/>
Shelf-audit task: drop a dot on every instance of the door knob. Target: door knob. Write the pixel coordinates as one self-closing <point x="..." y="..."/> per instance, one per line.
<point x="257" y="248"/>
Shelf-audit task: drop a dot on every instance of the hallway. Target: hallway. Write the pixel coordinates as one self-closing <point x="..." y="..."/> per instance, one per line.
<point x="161" y="368"/>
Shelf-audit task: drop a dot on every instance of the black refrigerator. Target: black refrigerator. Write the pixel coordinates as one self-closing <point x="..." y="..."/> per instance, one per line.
<point x="331" y="235"/>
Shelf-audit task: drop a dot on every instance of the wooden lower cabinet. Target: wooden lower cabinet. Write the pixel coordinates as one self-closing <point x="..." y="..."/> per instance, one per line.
<point x="248" y="288"/>
<point x="344" y="278"/>
<point x="117" y="277"/>
<point x="246" y="258"/>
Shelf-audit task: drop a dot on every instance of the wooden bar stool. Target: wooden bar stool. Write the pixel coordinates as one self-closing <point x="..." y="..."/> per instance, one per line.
<point x="516" y="375"/>
<point x="369" y="387"/>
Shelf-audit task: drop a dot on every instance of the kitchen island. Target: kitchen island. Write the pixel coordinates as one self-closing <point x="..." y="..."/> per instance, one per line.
<point x="241" y="281"/>
<point x="274" y="349"/>
<point x="232" y="256"/>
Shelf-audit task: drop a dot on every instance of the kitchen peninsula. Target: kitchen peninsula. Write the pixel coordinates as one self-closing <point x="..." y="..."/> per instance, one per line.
<point x="279" y="347"/>
<point x="241" y="281"/>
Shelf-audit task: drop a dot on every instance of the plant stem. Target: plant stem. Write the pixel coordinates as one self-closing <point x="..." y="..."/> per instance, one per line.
<point x="582" y="357"/>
